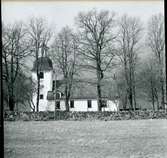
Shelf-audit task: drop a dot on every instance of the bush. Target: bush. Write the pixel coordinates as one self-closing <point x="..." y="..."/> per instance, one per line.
<point x="25" y="117"/>
<point x="11" y="118"/>
<point x="45" y="118"/>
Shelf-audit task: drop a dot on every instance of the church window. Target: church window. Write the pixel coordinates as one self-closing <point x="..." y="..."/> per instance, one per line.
<point x="41" y="96"/>
<point x="89" y="104"/>
<point x="41" y="75"/>
<point x="58" y="105"/>
<point x="71" y="103"/>
<point x="104" y="103"/>
<point x="53" y="87"/>
<point x="58" y="95"/>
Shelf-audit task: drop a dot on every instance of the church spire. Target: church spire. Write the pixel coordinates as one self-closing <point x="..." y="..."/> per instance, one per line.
<point x="44" y="49"/>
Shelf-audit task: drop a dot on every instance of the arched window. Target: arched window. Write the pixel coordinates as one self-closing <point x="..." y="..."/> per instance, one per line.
<point x="57" y="95"/>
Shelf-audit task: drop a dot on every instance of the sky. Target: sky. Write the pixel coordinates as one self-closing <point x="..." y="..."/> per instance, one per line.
<point x="61" y="13"/>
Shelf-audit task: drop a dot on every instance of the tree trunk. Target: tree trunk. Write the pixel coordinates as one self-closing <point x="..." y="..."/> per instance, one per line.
<point x="152" y="95"/>
<point x="130" y="91"/>
<point x="38" y="78"/>
<point x="162" y="93"/>
<point x="11" y="103"/>
<point x="66" y="98"/>
<point x="134" y="97"/>
<point x="153" y="103"/>
<point x="126" y="81"/>
<point x="134" y="94"/>
<point x="99" y="77"/>
<point x="131" y="99"/>
<point x="131" y="80"/>
<point x="165" y="72"/>
<point x="134" y="86"/>
<point x="157" y="104"/>
<point x="125" y="98"/>
<point x="156" y="97"/>
<point x="99" y="96"/>
<point x="11" y="85"/>
<point x="67" y="104"/>
<point x="38" y="92"/>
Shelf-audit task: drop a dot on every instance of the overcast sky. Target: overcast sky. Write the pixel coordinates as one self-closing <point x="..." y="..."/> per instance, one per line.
<point x="59" y="14"/>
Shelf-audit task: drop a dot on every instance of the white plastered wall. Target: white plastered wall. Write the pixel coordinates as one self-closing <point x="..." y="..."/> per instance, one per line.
<point x="81" y="105"/>
<point x="111" y="106"/>
<point x="46" y="85"/>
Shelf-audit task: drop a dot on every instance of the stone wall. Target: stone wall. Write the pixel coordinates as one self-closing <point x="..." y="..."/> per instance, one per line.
<point x="63" y="115"/>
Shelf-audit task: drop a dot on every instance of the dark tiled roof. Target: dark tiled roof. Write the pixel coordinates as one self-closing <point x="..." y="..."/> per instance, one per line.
<point x="45" y="64"/>
<point x="59" y="83"/>
<point x="50" y="96"/>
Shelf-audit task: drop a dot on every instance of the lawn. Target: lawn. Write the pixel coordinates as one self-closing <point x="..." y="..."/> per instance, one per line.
<point x="86" y="139"/>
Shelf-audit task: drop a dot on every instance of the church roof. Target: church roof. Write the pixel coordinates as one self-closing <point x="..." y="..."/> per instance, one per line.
<point x="50" y="96"/>
<point x="45" y="64"/>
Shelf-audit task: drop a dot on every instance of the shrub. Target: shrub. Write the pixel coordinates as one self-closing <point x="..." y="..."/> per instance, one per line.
<point x="45" y="118"/>
<point x="11" y="117"/>
<point x="25" y="117"/>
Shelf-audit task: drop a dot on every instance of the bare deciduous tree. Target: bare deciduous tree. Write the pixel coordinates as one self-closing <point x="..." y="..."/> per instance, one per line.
<point x="39" y="36"/>
<point x="24" y="92"/>
<point x="156" y="41"/>
<point x="15" y="48"/>
<point x="64" y="53"/>
<point x="149" y="84"/>
<point x="96" y="45"/>
<point x="129" y="36"/>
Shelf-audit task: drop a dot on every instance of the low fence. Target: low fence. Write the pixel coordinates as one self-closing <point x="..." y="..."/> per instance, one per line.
<point x="63" y="115"/>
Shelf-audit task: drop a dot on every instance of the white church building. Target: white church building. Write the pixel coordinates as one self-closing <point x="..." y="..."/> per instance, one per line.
<point x="47" y="93"/>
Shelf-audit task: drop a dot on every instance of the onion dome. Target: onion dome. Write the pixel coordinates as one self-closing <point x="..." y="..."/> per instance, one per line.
<point x="44" y="64"/>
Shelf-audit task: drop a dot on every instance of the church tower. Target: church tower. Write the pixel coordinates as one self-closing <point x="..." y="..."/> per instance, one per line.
<point x="45" y="68"/>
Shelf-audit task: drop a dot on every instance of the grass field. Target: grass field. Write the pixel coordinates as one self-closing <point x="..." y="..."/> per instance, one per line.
<point x="86" y="139"/>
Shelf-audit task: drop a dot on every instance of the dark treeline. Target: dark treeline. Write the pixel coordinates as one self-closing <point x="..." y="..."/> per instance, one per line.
<point x="118" y="50"/>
